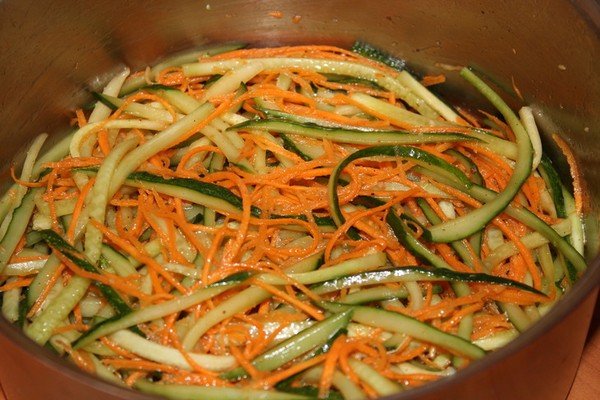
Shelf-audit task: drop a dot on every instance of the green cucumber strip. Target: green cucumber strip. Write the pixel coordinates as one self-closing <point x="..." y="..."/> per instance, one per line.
<point x="312" y="337"/>
<point x="17" y="227"/>
<point x="369" y="51"/>
<point x="409" y="274"/>
<point x="476" y="239"/>
<point x="188" y="392"/>
<point x="554" y="185"/>
<point x="203" y="193"/>
<point x="150" y="313"/>
<point x="354" y="136"/>
<point x="290" y="145"/>
<point x="418" y="156"/>
<point x="469" y="165"/>
<point x="59" y="244"/>
<point x="468" y="224"/>
<point x="377" y="293"/>
<point x="399" y="323"/>
<point x="136" y="82"/>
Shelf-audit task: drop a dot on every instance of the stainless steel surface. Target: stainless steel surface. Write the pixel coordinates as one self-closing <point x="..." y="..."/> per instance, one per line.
<point x="52" y="51"/>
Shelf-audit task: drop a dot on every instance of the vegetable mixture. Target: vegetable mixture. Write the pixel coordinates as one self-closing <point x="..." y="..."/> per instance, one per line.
<point x="285" y="223"/>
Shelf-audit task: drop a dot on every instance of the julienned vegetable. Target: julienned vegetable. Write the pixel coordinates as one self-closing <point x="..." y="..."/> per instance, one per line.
<point x="285" y="223"/>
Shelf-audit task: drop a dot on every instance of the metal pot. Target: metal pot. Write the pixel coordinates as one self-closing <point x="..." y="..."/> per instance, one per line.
<point x="52" y="51"/>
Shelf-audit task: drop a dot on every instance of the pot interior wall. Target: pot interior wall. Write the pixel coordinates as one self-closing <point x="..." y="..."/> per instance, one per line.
<point x="52" y="52"/>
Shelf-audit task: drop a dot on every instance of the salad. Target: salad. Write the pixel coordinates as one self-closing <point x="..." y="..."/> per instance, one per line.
<point x="286" y="223"/>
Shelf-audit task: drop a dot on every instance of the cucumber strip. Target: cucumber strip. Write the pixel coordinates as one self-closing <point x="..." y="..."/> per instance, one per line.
<point x="368" y="262"/>
<point x="369" y="51"/>
<point x="80" y="146"/>
<point x="528" y="122"/>
<point x="554" y="185"/>
<point x="517" y="316"/>
<point x="104" y="372"/>
<point x="136" y="109"/>
<point x="382" y="385"/>
<point x="44" y="324"/>
<point x="203" y="141"/>
<point x="531" y="241"/>
<point x="240" y="302"/>
<point x="136" y="82"/>
<point x="410" y="274"/>
<point x="499" y="146"/>
<point x="117" y="261"/>
<point x="16" y="195"/>
<point x="157" y="143"/>
<point x="399" y="323"/>
<point x="10" y="302"/>
<point x="99" y="198"/>
<point x="274" y="114"/>
<point x="474" y="221"/>
<point x="188" y="392"/>
<point x="60" y="245"/>
<point x="180" y="100"/>
<point x="221" y="140"/>
<point x="321" y="66"/>
<point x="232" y="80"/>
<point x="353" y="136"/>
<point x="394" y="113"/>
<point x="312" y="337"/>
<point x="150" y="313"/>
<point x="17" y="227"/>
<point x="207" y="194"/>
<point x="476" y="240"/>
<point x="348" y="389"/>
<point x="377" y="293"/>
<point x="168" y="355"/>
<point x="497" y="340"/>
<point x="428" y="97"/>
<point x="41" y="279"/>
<point x="23" y="268"/>
<point x="416" y="155"/>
